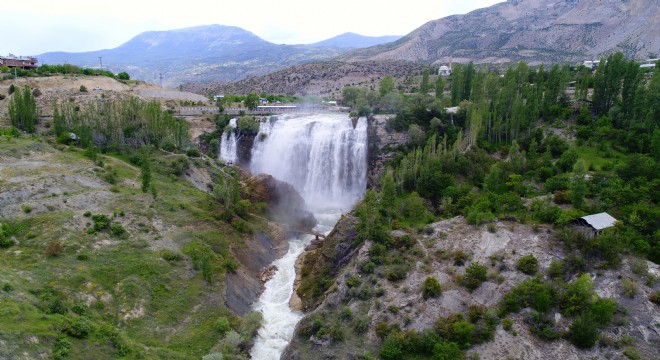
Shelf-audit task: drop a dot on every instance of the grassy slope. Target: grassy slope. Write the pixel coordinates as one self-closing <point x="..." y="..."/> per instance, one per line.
<point x="131" y="296"/>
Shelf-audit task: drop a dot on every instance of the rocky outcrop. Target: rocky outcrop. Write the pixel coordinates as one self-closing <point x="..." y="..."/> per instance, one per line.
<point x="535" y="31"/>
<point x="286" y="206"/>
<point x="381" y="144"/>
<point x="244" y="286"/>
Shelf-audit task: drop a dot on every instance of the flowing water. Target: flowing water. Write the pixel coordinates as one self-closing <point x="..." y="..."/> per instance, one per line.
<point x="229" y="144"/>
<point x="325" y="159"/>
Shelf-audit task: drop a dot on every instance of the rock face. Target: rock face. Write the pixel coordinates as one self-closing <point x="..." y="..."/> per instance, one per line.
<point x="285" y="203"/>
<point x="498" y="248"/>
<point x="530" y="30"/>
<point x="245" y="285"/>
<point x="380" y="140"/>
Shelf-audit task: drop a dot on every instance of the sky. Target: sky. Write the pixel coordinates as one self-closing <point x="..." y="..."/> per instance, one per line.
<point x="34" y="27"/>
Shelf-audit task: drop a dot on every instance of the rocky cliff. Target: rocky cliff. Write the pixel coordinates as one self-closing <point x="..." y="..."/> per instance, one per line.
<point x="531" y="30"/>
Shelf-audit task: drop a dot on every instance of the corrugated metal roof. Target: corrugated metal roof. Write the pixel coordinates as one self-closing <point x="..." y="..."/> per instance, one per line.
<point x="599" y="221"/>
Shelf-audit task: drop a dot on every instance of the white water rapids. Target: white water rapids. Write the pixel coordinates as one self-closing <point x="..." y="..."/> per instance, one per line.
<point x="227" y="150"/>
<point x="325" y="159"/>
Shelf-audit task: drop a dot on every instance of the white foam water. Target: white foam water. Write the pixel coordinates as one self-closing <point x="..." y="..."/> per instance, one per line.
<point x="325" y="159"/>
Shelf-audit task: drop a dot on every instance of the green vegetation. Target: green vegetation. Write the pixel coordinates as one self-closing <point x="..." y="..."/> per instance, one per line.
<point x="23" y="110"/>
<point x="109" y="284"/>
<point x="520" y="148"/>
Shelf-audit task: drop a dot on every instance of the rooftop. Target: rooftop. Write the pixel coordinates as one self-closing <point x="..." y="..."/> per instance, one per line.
<point x="599" y="221"/>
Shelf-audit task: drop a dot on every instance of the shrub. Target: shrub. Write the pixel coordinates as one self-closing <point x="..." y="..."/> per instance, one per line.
<point x="507" y="324"/>
<point x="62" y="347"/>
<point x="87" y="214"/>
<point x="54" y="249"/>
<point x="83" y="88"/>
<point x="583" y="332"/>
<point x="26" y="208"/>
<point x="392" y="347"/>
<point x="431" y="288"/>
<point x="577" y="296"/>
<point x="444" y="350"/>
<point x="460" y="258"/>
<point x="655" y="297"/>
<point x="528" y="264"/>
<point x="101" y="222"/>
<point x="629" y="287"/>
<point x="170" y="256"/>
<point x="193" y="152"/>
<point x="353" y="281"/>
<point x="79" y="328"/>
<point x="361" y="325"/>
<point x="602" y="310"/>
<point x="475" y="274"/>
<point x="222" y="325"/>
<point x="117" y="230"/>
<point x="5" y="237"/>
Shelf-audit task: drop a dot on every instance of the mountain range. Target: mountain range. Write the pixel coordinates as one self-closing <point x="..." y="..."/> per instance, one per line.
<point x="536" y="31"/>
<point x="207" y="53"/>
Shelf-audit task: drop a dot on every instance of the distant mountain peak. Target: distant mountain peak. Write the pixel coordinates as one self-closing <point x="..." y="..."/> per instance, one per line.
<point x="353" y="40"/>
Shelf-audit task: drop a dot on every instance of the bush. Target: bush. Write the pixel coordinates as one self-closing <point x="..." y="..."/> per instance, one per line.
<point x="83" y="88"/>
<point x="507" y="324"/>
<point x="54" y="249"/>
<point x="222" y="325"/>
<point x="193" y="152"/>
<point x="170" y="256"/>
<point x="123" y="76"/>
<point x="5" y="237"/>
<point x="655" y="297"/>
<point x="62" y="347"/>
<point x="444" y="350"/>
<point x="79" y="328"/>
<point x="117" y="230"/>
<point x="101" y="222"/>
<point x="392" y="347"/>
<point x="475" y="274"/>
<point x="528" y="264"/>
<point x="431" y="288"/>
<point x="583" y="332"/>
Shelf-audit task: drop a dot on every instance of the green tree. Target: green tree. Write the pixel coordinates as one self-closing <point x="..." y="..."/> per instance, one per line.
<point x="123" y="76"/>
<point x="386" y="85"/>
<point x="251" y="101"/>
<point x="388" y="194"/>
<point x="425" y="86"/>
<point x="439" y="87"/>
<point x="22" y="110"/>
<point x="145" y="176"/>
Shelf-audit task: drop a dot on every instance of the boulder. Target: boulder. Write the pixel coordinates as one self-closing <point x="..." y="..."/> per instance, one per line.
<point x="284" y="203"/>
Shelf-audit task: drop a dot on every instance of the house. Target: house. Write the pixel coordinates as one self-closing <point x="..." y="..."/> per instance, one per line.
<point x="591" y="64"/>
<point x="592" y="225"/>
<point x="24" y="62"/>
<point x="444" y="70"/>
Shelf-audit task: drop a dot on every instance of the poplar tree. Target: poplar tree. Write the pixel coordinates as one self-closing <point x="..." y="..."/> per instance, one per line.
<point x="23" y="110"/>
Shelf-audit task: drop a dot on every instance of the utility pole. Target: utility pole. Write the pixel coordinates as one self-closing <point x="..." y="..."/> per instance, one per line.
<point x="160" y="77"/>
<point x="15" y="76"/>
<point x="101" y="61"/>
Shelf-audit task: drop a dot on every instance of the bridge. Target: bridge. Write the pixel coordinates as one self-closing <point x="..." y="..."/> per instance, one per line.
<point x="260" y="110"/>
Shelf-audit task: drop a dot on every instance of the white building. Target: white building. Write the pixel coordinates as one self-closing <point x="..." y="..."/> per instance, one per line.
<point x="444" y="70"/>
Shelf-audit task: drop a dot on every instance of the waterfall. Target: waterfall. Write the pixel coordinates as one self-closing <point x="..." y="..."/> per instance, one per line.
<point x="322" y="156"/>
<point x="325" y="159"/>
<point x="229" y="144"/>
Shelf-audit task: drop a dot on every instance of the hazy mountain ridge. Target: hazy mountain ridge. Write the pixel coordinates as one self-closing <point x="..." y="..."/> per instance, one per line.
<point x="353" y="40"/>
<point x="202" y="53"/>
<point x="531" y="30"/>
